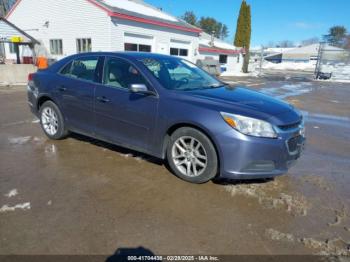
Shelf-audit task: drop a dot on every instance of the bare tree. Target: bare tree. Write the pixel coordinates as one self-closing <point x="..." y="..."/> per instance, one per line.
<point x="286" y="43"/>
<point x="310" y="41"/>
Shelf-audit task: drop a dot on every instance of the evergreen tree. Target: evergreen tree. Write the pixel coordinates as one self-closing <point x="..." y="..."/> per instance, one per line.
<point x="240" y="26"/>
<point x="190" y="18"/>
<point x="208" y="24"/>
<point x="5" y="6"/>
<point x="243" y="32"/>
<point x="336" y="35"/>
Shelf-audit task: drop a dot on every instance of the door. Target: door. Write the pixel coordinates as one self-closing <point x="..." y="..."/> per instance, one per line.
<point x="120" y="116"/>
<point x="76" y="89"/>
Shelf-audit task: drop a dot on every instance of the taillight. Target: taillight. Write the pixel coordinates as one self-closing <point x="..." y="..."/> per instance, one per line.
<point x="30" y="77"/>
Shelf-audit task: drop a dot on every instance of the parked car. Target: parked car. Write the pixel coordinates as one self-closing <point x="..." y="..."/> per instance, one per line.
<point x="169" y="108"/>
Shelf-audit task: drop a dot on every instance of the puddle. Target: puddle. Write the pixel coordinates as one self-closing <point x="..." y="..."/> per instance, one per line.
<point x="288" y="90"/>
<point x="50" y="150"/>
<point x="19" y="140"/>
<point x="340" y="121"/>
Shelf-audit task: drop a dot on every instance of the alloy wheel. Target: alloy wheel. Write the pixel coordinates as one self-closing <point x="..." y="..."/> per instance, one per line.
<point x="189" y="156"/>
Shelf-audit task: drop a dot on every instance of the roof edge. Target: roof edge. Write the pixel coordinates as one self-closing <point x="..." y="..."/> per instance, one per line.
<point x="127" y="17"/>
<point x="219" y="51"/>
<point x="20" y="30"/>
<point x="12" y="8"/>
<point x="144" y="20"/>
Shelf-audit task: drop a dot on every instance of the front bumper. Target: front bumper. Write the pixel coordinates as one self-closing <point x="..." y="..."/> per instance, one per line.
<point x="247" y="157"/>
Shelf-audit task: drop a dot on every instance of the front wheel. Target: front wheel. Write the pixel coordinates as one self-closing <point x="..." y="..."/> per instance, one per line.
<point x="51" y="121"/>
<point x="192" y="156"/>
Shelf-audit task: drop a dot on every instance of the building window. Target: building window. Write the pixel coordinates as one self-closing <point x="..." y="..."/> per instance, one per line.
<point x="12" y="48"/>
<point x="56" y="47"/>
<point x="137" y="47"/>
<point x="178" y="52"/>
<point x="84" y="45"/>
<point x="223" y="59"/>
<point x="144" y="48"/>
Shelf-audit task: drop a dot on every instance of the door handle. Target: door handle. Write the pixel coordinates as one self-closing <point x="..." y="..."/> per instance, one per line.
<point x="62" y="88"/>
<point x="102" y="99"/>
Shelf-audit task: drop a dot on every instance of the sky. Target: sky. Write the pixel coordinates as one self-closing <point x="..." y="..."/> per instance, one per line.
<point x="272" y="20"/>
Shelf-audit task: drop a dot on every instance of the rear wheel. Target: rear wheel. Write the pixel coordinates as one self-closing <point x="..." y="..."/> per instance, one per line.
<point x="52" y="122"/>
<point x="192" y="156"/>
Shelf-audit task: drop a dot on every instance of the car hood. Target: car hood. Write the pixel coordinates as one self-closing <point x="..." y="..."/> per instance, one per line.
<point x="243" y="101"/>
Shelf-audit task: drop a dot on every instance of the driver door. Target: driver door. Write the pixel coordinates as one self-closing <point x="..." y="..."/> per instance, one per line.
<point x="120" y="116"/>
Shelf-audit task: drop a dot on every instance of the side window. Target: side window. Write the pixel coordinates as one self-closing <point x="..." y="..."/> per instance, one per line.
<point x="83" y="68"/>
<point x="121" y="74"/>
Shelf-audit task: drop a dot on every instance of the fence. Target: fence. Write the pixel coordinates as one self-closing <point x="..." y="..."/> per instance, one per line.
<point x="333" y="62"/>
<point x="327" y="62"/>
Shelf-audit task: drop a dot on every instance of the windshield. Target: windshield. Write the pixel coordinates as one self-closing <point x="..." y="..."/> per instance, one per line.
<point x="179" y="74"/>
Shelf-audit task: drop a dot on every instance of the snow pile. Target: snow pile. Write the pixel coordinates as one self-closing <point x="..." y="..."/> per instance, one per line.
<point x="237" y="69"/>
<point x="310" y="66"/>
<point x="140" y="8"/>
<point x="6" y="208"/>
<point x="339" y="71"/>
<point x="12" y="193"/>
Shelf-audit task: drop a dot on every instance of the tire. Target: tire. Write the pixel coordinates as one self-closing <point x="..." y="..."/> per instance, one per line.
<point x="186" y="147"/>
<point x="52" y="121"/>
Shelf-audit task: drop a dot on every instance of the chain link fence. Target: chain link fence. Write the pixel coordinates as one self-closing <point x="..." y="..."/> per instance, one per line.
<point x="333" y="63"/>
<point x="321" y="62"/>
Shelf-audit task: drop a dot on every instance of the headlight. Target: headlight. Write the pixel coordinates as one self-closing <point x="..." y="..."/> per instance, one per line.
<point x="249" y="126"/>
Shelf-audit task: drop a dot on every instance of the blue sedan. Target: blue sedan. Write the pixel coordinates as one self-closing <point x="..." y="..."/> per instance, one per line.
<point x="167" y="107"/>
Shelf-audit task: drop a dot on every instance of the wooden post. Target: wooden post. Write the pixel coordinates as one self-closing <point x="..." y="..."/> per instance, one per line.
<point x="17" y="53"/>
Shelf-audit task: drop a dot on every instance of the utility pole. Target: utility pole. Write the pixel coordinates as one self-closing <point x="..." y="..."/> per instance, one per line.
<point x="261" y="59"/>
<point x="212" y="38"/>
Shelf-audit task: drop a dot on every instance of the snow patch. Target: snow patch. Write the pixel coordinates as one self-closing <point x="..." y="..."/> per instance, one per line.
<point x="19" y="140"/>
<point x="289" y="66"/>
<point x="140" y="8"/>
<point x="6" y="208"/>
<point x="288" y="90"/>
<point x="12" y="193"/>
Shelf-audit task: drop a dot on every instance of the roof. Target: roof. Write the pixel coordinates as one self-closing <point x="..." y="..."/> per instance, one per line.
<point x="137" y="11"/>
<point x="9" y="30"/>
<point x="218" y="46"/>
<point x="312" y="49"/>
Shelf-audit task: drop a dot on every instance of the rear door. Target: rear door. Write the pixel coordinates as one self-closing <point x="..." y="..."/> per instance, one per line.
<point x="120" y="116"/>
<point x="76" y="89"/>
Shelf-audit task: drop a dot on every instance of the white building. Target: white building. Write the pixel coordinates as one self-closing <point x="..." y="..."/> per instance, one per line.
<point x="228" y="55"/>
<point x="67" y="27"/>
<point x="310" y="53"/>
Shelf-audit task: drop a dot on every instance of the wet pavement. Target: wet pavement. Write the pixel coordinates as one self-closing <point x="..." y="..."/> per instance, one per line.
<point x="82" y="196"/>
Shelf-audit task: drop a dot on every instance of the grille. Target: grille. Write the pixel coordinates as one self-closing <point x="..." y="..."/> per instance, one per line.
<point x="290" y="126"/>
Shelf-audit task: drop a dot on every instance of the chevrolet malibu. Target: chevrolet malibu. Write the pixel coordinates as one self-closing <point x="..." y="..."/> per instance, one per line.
<point x="167" y="107"/>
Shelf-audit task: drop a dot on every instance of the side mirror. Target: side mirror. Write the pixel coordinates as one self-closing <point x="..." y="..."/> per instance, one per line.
<point x="140" y="89"/>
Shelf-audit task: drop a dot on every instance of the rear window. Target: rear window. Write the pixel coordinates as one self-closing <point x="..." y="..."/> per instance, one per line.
<point x="82" y="68"/>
